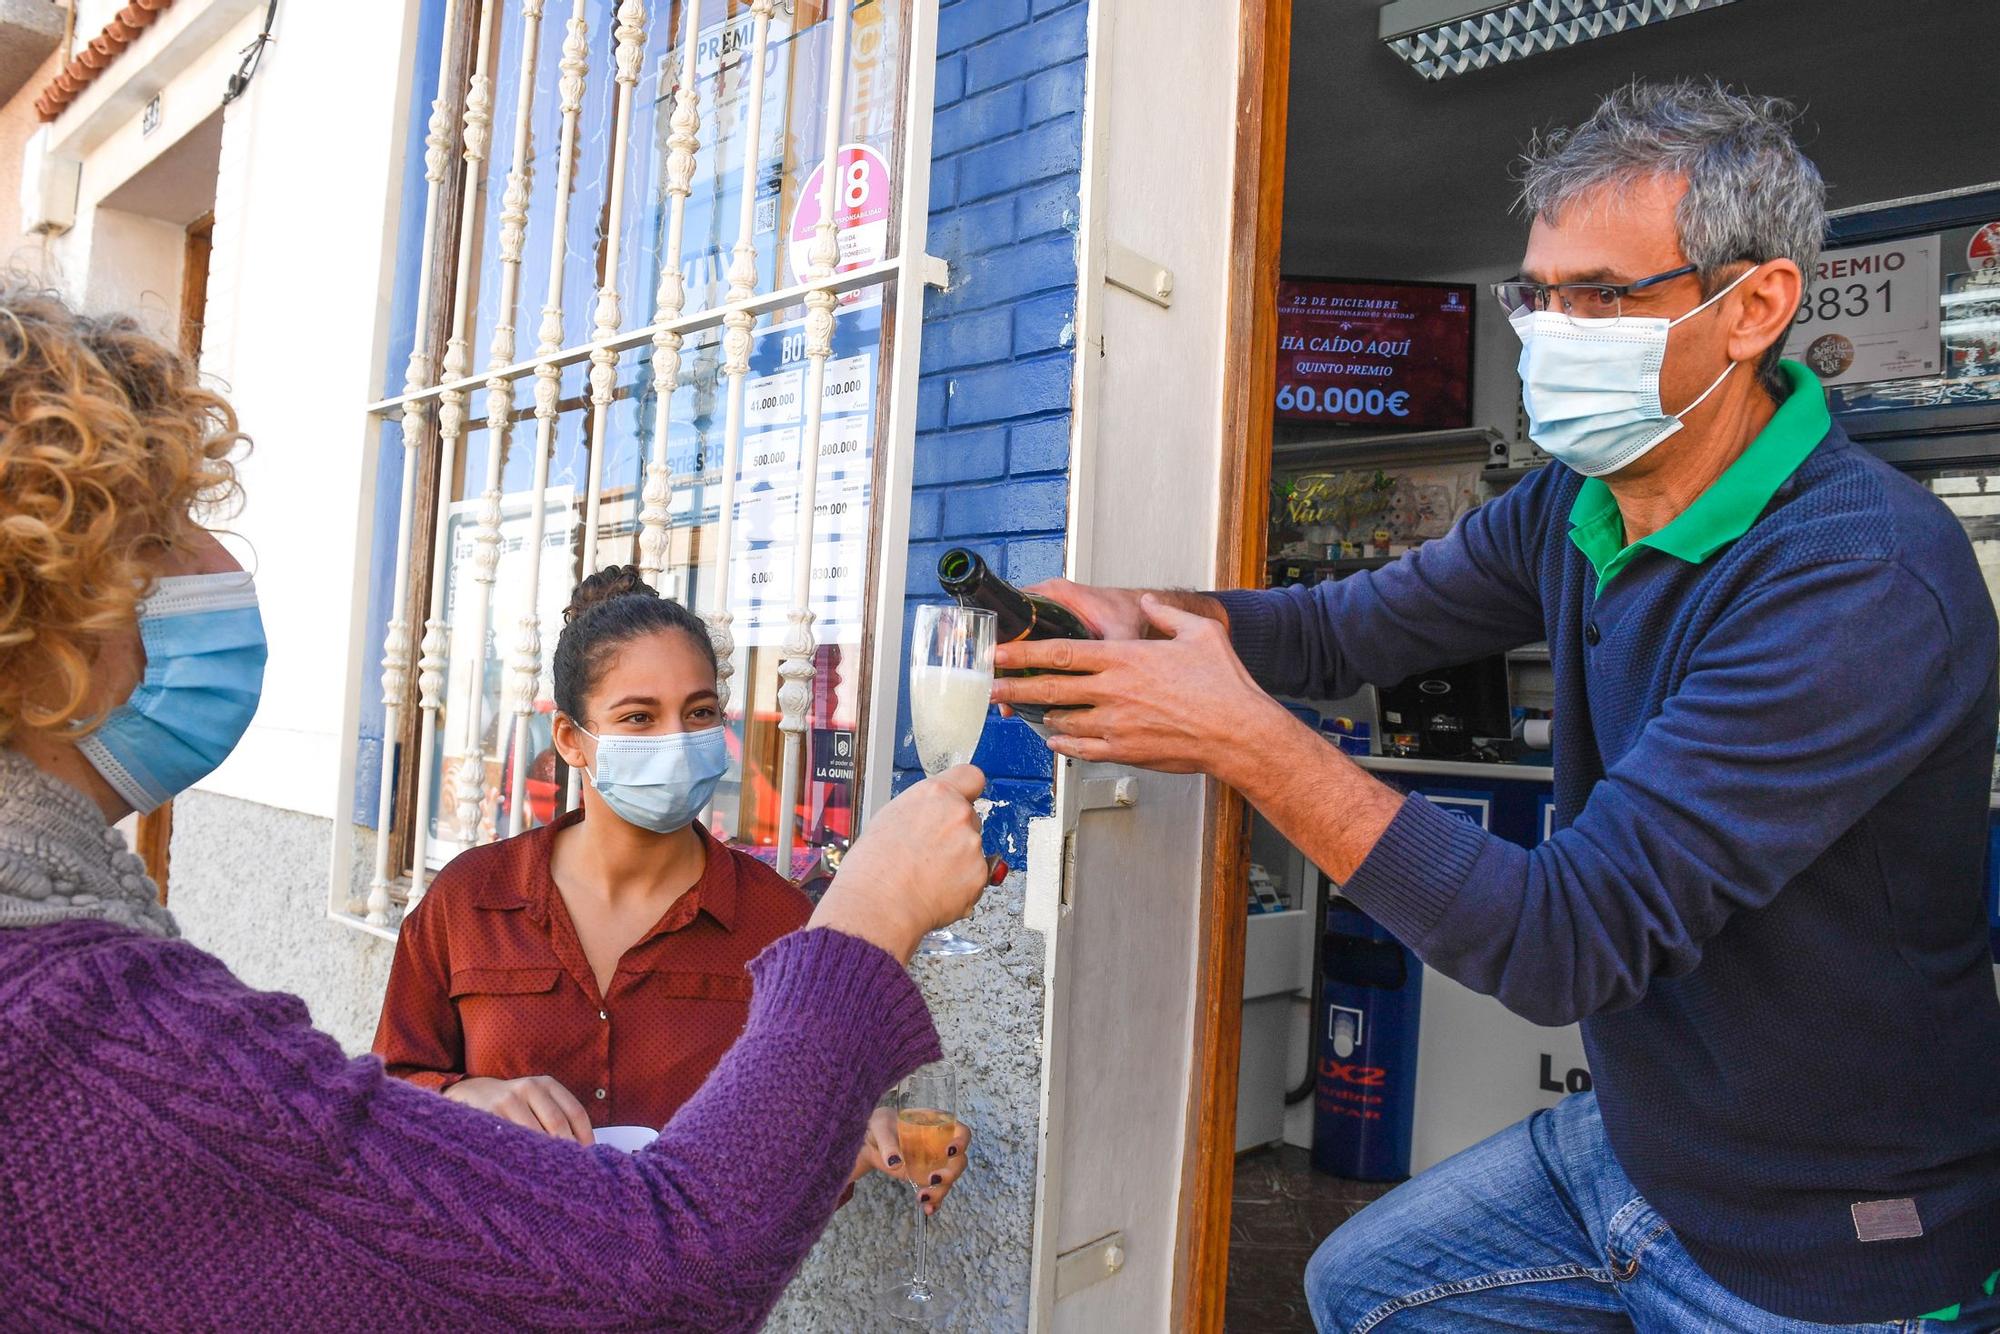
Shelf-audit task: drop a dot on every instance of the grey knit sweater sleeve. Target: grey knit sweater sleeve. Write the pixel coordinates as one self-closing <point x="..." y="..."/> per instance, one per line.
<point x="181" y="1152"/>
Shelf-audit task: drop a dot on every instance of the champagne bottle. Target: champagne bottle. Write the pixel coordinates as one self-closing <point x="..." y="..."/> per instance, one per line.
<point x="966" y="576"/>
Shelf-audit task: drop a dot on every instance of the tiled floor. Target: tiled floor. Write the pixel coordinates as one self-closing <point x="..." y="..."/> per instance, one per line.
<point x="1283" y="1210"/>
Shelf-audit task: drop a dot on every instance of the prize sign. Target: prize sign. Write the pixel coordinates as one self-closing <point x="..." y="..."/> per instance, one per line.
<point x="1374" y="354"/>
<point x="861" y="210"/>
<point x="1870" y="313"/>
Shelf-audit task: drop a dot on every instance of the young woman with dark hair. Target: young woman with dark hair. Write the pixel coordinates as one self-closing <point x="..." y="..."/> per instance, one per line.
<point x="591" y="972"/>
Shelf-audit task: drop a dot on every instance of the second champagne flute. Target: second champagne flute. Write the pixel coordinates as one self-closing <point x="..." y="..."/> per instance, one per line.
<point x="926" y="1122"/>
<point x="951" y="688"/>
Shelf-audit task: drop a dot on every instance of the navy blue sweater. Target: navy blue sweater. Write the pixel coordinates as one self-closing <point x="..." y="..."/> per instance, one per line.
<point x="1764" y="896"/>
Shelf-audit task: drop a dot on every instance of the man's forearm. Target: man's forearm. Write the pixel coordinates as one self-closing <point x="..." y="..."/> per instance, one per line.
<point x="1194" y="604"/>
<point x="1324" y="803"/>
<point x="1181" y="599"/>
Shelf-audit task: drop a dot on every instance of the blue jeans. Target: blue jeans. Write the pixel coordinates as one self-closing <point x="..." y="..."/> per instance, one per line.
<point x="1538" y="1229"/>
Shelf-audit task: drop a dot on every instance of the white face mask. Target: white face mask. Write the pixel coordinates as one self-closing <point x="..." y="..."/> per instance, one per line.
<point x="1592" y="387"/>
<point x="660" y="782"/>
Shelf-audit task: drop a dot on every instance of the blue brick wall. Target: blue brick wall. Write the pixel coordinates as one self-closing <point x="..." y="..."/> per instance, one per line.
<point x="999" y="347"/>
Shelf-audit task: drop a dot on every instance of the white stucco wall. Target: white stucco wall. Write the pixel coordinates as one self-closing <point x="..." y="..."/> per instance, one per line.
<point x="304" y="217"/>
<point x="248" y="884"/>
<point x="136" y="265"/>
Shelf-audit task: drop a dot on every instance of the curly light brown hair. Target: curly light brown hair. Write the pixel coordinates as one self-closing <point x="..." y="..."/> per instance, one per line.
<point x="108" y="445"/>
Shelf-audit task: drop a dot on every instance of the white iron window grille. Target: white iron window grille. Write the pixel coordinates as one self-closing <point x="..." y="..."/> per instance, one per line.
<point x="761" y="169"/>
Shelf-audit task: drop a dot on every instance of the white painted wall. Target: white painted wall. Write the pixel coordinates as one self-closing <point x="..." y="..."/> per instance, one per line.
<point x="305" y="217"/>
<point x="304" y="222"/>
<point x="135" y="266"/>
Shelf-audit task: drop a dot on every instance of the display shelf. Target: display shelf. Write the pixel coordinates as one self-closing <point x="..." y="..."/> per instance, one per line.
<point x="1472" y="442"/>
<point x="1501" y="773"/>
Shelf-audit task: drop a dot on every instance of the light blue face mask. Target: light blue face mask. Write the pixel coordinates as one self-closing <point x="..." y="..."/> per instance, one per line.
<point x="1592" y="387"/>
<point x="204" y="673"/>
<point x="661" y="783"/>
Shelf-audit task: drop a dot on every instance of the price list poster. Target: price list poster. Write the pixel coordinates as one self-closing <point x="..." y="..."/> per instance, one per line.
<point x="787" y="208"/>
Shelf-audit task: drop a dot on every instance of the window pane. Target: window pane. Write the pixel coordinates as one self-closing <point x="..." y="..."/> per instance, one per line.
<point x="762" y="570"/>
<point x="1902" y="324"/>
<point x="791" y="131"/>
<point x="766" y="518"/>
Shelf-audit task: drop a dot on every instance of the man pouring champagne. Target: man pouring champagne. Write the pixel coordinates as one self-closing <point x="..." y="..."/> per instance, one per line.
<point x="1761" y="856"/>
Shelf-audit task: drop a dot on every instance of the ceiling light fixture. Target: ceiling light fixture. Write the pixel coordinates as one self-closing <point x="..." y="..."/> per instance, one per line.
<point x="1440" y="38"/>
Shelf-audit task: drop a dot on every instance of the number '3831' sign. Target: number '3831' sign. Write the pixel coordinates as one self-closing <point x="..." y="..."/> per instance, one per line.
<point x="1870" y="313"/>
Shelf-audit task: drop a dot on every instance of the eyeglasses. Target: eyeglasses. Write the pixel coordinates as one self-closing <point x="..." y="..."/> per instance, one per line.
<point x="1581" y="301"/>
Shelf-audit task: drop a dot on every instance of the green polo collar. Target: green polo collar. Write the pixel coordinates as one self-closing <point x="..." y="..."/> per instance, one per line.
<point x="1732" y="502"/>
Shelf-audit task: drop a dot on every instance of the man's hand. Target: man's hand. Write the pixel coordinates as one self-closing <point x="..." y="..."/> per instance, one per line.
<point x="1182" y="703"/>
<point x="1114" y="613"/>
<point x="1120" y="613"/>
<point x="537" y="1102"/>
<point x="882" y="1152"/>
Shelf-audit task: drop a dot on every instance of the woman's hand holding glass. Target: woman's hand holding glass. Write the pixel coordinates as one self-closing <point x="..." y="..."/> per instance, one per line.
<point x="882" y="1152"/>
<point x="927" y="1124"/>
<point x="917" y="865"/>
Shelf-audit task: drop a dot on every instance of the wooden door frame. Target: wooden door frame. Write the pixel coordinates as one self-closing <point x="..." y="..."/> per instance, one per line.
<point x="1250" y="368"/>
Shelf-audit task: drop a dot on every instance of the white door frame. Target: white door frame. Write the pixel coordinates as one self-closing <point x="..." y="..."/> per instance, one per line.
<point x="1136" y="1126"/>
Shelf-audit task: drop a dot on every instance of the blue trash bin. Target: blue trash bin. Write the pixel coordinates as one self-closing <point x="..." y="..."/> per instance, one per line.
<point x="1371" y="992"/>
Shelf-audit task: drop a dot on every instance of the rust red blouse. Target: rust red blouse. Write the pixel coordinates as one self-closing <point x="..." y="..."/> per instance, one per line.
<point x="489" y="979"/>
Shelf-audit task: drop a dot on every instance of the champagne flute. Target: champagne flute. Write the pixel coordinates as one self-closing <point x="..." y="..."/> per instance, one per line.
<point x="951" y="687"/>
<point x="926" y="1121"/>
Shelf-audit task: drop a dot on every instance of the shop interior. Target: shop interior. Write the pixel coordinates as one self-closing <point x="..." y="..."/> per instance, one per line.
<point x="1396" y="179"/>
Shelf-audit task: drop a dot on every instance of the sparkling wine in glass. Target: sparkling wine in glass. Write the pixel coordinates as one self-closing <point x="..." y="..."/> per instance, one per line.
<point x="926" y="1121"/>
<point x="951" y="688"/>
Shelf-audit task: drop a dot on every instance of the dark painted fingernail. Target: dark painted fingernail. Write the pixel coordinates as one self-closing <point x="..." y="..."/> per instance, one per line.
<point x="951" y="1152"/>
<point x="895" y="1161"/>
<point x="923" y="1199"/>
<point x="937" y="1178"/>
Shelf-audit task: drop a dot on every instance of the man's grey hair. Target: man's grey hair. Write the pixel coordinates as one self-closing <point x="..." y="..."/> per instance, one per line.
<point x="1752" y="194"/>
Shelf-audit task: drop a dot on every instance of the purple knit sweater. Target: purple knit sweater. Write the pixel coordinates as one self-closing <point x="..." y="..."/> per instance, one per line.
<point x="180" y="1152"/>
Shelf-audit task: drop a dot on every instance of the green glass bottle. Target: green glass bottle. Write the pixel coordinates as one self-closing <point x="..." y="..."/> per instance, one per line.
<point x="967" y="577"/>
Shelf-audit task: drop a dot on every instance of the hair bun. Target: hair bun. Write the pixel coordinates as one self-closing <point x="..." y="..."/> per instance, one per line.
<point x="613" y="581"/>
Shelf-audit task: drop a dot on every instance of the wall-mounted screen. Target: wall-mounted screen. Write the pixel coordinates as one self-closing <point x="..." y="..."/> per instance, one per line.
<point x="1380" y="354"/>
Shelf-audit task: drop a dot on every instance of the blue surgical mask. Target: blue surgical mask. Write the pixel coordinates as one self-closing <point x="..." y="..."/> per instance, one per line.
<point x="204" y="673"/>
<point x="1592" y="387"/>
<point x="661" y="783"/>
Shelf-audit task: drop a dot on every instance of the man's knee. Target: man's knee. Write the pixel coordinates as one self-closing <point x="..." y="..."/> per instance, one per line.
<point x="1345" y="1278"/>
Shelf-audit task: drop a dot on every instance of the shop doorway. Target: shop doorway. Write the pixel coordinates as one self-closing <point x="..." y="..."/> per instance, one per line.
<point x="1379" y="184"/>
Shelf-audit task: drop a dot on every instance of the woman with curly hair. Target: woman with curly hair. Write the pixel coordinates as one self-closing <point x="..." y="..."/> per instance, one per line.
<point x="182" y="1152"/>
